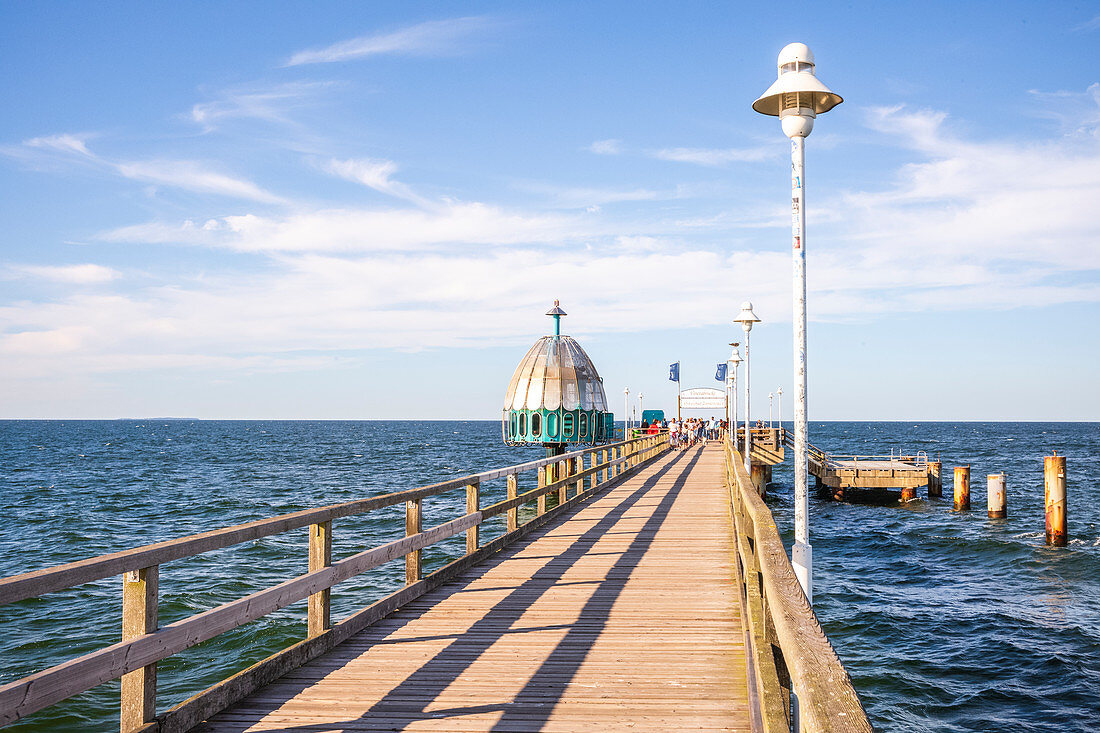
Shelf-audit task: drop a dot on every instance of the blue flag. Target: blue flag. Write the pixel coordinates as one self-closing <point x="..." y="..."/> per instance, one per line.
<point x="674" y="372"/>
<point x="720" y="375"/>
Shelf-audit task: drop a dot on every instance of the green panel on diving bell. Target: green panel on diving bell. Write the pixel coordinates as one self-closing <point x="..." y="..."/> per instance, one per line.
<point x="540" y="427"/>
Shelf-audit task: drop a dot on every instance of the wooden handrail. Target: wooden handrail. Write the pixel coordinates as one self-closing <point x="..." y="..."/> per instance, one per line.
<point x="136" y="656"/>
<point x="47" y="580"/>
<point x="782" y="620"/>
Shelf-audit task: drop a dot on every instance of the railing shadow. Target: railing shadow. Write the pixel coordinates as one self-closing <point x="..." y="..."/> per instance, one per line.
<point x="408" y="701"/>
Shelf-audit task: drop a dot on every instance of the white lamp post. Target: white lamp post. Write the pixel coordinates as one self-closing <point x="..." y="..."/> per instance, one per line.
<point x="771" y="420"/>
<point x="640" y="396"/>
<point x="746" y="318"/>
<point x="731" y="391"/>
<point x="797" y="97"/>
<point x="779" y="404"/>
<point x="626" y="411"/>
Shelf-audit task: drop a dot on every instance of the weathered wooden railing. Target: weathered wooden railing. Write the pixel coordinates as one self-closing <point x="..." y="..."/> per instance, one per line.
<point x="788" y="649"/>
<point x="135" y="658"/>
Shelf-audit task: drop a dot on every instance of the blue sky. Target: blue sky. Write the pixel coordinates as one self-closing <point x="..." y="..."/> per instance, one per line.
<point x="362" y="210"/>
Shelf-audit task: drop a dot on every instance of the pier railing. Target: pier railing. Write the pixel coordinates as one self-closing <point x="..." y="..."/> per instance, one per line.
<point x="135" y="658"/>
<point x="788" y="648"/>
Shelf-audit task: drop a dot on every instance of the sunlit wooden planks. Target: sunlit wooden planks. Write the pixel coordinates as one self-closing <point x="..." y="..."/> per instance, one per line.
<point x="623" y="615"/>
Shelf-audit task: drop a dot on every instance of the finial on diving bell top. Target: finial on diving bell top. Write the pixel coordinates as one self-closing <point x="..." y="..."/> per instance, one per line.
<point x="557" y="313"/>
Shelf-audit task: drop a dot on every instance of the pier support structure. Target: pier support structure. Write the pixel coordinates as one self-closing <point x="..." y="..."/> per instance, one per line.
<point x="935" y="479"/>
<point x="997" y="501"/>
<point x="962" y="488"/>
<point x="1054" y="485"/>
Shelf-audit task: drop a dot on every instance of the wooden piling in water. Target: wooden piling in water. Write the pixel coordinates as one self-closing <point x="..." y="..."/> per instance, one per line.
<point x="908" y="493"/>
<point x="997" y="501"/>
<point x="962" y="487"/>
<point x="935" y="479"/>
<point x="1054" y="489"/>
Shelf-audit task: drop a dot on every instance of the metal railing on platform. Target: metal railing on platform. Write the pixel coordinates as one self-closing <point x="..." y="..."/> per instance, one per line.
<point x="135" y="658"/>
<point x="788" y="649"/>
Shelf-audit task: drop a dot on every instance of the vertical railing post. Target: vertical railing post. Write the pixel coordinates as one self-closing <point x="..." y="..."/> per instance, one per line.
<point x="546" y="474"/>
<point x="564" y="471"/>
<point x="593" y="463"/>
<point x="412" y="526"/>
<point x="513" y="513"/>
<point x="139" y="617"/>
<point x="578" y="464"/>
<point x="319" y="615"/>
<point x="603" y="461"/>
<point x="473" y="504"/>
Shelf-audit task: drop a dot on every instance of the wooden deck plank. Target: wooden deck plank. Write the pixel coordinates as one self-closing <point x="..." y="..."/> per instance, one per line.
<point x="623" y="615"/>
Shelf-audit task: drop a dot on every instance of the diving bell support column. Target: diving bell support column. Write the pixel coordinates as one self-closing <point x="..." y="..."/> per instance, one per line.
<point x="801" y="552"/>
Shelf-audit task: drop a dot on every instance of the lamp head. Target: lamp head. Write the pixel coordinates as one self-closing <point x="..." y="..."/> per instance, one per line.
<point x="746" y="317"/>
<point x="797" y="97"/>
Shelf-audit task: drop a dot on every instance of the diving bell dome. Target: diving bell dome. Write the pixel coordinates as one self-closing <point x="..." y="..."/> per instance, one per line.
<point x="556" y="396"/>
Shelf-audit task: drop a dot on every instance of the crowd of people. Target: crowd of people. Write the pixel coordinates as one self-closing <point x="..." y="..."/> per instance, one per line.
<point x="684" y="434"/>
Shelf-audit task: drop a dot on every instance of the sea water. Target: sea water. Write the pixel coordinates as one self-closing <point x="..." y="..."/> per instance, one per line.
<point x="946" y="621"/>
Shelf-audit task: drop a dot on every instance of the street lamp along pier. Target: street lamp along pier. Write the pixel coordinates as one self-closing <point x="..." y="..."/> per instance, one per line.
<point x="797" y="97"/>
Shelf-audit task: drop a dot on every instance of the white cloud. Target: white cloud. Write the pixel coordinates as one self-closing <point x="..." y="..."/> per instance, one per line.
<point x="183" y="174"/>
<point x="364" y="230"/>
<point x="989" y="224"/>
<point x="86" y="274"/>
<point x="584" y="197"/>
<point x="376" y="174"/>
<point x="606" y="147"/>
<point x="989" y="202"/>
<point x="192" y="176"/>
<point x="715" y="157"/>
<point x="1078" y="113"/>
<point x="268" y="103"/>
<point x="64" y="143"/>
<point x="430" y="38"/>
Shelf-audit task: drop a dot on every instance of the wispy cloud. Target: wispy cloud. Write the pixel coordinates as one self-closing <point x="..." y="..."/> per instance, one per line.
<point x="714" y="157"/>
<point x="573" y="197"/>
<point x="606" y="147"/>
<point x="192" y="176"/>
<point x="1078" y="113"/>
<point x="1088" y="25"/>
<point x="64" y="143"/>
<point x="268" y="103"/>
<point x="363" y="230"/>
<point x="425" y="39"/>
<point x="375" y="174"/>
<point x="182" y="174"/>
<point x="86" y="274"/>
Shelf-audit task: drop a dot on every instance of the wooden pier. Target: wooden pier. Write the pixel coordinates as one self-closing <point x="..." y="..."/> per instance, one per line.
<point x="656" y="595"/>
<point x="849" y="477"/>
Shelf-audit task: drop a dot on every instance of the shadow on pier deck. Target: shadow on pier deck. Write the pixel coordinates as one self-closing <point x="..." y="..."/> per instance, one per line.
<point x="604" y="620"/>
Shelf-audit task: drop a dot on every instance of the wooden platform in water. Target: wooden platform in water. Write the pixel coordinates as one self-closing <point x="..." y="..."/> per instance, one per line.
<point x="622" y="616"/>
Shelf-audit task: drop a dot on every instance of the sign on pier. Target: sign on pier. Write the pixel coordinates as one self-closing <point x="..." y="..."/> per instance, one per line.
<point x="702" y="398"/>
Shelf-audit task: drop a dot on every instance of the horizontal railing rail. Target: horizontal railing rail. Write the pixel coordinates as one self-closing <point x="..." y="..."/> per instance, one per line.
<point x="919" y="457"/>
<point x="134" y="659"/>
<point x="789" y="651"/>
